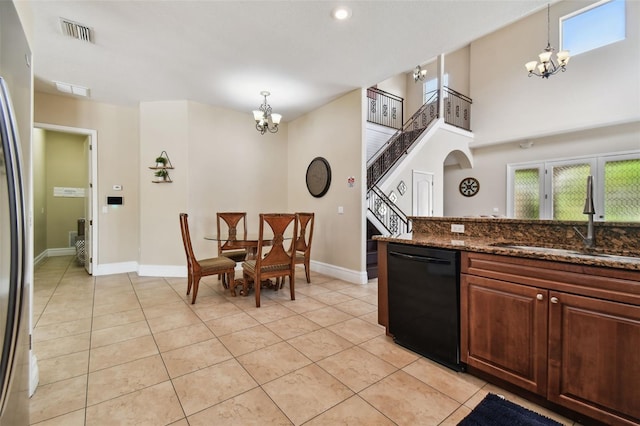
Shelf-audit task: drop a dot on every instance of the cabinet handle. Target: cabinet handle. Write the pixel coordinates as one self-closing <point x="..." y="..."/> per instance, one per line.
<point x="554" y="300"/>
<point x="540" y="297"/>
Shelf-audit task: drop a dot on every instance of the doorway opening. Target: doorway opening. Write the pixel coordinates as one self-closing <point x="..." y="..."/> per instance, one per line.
<point x="65" y="193"/>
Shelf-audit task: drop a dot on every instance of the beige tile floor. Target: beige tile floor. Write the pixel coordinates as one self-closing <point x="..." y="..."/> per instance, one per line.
<point x="130" y="350"/>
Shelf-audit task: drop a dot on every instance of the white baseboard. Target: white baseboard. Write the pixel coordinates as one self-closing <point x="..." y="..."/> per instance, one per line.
<point x="162" y="271"/>
<point x="39" y="258"/>
<point x="65" y="251"/>
<point x="180" y="271"/>
<point x="340" y="273"/>
<point x="114" y="268"/>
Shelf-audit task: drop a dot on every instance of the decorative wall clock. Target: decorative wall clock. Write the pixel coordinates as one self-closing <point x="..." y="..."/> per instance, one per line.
<point x="469" y="186"/>
<point x="318" y="177"/>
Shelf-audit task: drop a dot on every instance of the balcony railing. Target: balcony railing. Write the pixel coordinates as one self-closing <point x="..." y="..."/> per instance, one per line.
<point x="457" y="109"/>
<point x="384" y="108"/>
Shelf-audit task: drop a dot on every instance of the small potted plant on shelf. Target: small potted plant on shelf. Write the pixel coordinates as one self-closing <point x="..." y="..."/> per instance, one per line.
<point x="161" y="162"/>
<point x="161" y="175"/>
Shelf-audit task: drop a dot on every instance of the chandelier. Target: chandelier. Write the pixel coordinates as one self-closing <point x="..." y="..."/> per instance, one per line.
<point x="265" y="119"/>
<point x="547" y="65"/>
<point x="419" y="74"/>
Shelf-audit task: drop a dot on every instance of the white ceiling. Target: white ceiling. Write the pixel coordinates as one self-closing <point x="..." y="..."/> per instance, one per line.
<point x="224" y="53"/>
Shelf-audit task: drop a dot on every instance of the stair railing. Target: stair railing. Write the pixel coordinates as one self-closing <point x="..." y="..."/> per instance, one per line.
<point x="385" y="210"/>
<point x="400" y="143"/>
<point x="384" y="108"/>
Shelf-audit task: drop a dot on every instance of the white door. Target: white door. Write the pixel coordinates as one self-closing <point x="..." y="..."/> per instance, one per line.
<point x="422" y="193"/>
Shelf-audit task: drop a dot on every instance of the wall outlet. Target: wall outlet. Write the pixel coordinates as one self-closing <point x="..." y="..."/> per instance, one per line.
<point x="457" y="228"/>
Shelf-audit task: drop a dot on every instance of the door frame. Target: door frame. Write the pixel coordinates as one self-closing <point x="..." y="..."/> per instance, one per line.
<point x="92" y="250"/>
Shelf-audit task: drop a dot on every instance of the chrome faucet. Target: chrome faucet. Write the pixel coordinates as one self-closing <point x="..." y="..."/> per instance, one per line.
<point x="589" y="210"/>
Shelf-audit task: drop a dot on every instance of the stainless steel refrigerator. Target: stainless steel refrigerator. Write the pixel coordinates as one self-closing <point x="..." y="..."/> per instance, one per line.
<point x="12" y="263"/>
<point x="15" y="122"/>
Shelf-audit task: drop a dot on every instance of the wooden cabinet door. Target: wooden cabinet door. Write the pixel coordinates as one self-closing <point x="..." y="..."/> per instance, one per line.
<point x="594" y="357"/>
<point x="504" y="330"/>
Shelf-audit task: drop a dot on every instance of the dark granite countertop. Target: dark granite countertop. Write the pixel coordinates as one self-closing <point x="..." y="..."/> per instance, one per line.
<point x="593" y="257"/>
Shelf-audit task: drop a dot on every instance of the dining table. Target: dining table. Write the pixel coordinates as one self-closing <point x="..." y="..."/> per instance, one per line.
<point x="250" y="243"/>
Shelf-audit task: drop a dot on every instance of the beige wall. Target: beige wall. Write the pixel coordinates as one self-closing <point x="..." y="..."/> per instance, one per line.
<point x="221" y="163"/>
<point x="599" y="88"/>
<point x="456" y="64"/>
<point x="65" y="166"/>
<point x="334" y="131"/>
<point x="490" y="164"/>
<point x="118" y="163"/>
<point x="509" y="107"/>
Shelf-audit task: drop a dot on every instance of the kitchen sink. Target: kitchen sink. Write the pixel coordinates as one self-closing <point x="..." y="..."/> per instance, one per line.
<point x="565" y="252"/>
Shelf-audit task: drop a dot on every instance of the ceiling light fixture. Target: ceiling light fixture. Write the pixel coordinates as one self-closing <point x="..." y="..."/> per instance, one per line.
<point x="547" y="65"/>
<point x="265" y="119"/>
<point x="419" y="74"/>
<point x="341" y="13"/>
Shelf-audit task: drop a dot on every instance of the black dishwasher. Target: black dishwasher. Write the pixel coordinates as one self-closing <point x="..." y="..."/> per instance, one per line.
<point x="424" y="301"/>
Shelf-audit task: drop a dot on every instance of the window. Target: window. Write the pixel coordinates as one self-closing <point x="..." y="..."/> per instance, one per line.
<point x="557" y="189"/>
<point x="595" y="26"/>
<point x="429" y="87"/>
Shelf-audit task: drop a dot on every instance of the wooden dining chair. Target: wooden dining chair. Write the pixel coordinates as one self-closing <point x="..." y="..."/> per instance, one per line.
<point x="303" y="242"/>
<point x="277" y="262"/>
<point x="226" y="246"/>
<point x="197" y="269"/>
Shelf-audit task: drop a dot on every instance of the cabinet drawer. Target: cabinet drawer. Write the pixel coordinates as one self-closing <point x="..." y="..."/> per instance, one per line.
<point x="604" y="283"/>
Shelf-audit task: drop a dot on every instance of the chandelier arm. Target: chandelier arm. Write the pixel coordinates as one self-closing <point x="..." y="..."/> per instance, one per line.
<point x="260" y="128"/>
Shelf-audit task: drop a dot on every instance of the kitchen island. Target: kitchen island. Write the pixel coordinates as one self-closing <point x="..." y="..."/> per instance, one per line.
<point x="541" y="312"/>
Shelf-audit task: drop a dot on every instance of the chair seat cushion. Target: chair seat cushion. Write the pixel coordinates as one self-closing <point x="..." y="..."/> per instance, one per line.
<point x="235" y="255"/>
<point x="250" y="266"/>
<point x="217" y="263"/>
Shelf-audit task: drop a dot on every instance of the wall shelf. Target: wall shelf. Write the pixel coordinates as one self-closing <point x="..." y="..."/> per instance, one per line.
<point x="162" y="167"/>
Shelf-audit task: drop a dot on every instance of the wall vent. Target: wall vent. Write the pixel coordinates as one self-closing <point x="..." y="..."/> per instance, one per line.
<point x="76" y="30"/>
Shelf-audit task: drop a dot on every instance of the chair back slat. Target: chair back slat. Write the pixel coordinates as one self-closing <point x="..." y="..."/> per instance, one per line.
<point x="279" y="224"/>
<point x="305" y="231"/>
<point x="231" y="220"/>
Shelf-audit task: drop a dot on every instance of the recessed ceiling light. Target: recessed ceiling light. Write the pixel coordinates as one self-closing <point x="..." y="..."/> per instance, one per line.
<point x="341" y="13"/>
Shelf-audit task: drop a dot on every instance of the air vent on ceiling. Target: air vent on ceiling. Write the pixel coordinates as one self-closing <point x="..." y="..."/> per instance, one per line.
<point x="76" y="30"/>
